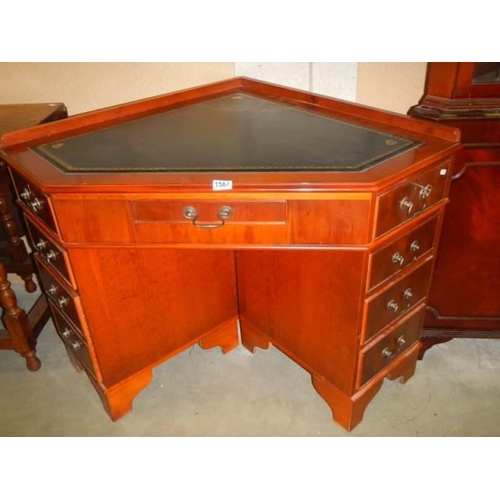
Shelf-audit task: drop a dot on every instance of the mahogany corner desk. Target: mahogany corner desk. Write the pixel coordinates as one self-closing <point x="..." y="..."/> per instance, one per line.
<point x="160" y="223"/>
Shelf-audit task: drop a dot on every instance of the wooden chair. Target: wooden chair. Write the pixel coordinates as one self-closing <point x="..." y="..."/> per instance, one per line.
<point x="21" y="329"/>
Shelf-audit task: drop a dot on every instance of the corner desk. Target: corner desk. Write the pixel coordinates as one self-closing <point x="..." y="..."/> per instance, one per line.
<point x="311" y="222"/>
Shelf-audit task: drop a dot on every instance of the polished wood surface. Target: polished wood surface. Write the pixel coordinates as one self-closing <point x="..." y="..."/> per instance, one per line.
<point x="147" y="264"/>
<point x="464" y="299"/>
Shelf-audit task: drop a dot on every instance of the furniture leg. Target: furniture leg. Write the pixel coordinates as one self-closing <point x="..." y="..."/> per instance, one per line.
<point x="117" y="399"/>
<point x="225" y="336"/>
<point x="15" y="245"/>
<point x="251" y="337"/>
<point x="347" y="410"/>
<point x="15" y="320"/>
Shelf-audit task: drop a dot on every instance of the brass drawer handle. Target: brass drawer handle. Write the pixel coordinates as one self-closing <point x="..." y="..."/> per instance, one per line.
<point x="406" y="204"/>
<point x="387" y="353"/>
<point x="26" y="193"/>
<point x="41" y="244"/>
<point x="51" y="255"/>
<point x="224" y="213"/>
<point x="415" y="246"/>
<point x="62" y="302"/>
<point x="66" y="333"/>
<point x="75" y="345"/>
<point x="36" y="205"/>
<point x="393" y="306"/>
<point x="397" y="258"/>
<point x="401" y="341"/>
<point x="52" y="290"/>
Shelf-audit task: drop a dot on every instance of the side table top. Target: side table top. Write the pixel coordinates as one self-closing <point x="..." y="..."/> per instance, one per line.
<point x="19" y="116"/>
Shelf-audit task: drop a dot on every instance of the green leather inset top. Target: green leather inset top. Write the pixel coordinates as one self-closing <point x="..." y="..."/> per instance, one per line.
<point x="238" y="133"/>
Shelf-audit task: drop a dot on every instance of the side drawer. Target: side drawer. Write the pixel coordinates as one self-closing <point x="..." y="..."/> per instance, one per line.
<point x="34" y="200"/>
<point x="403" y="253"/>
<point x="378" y="355"/>
<point x="73" y="339"/>
<point x="50" y="253"/>
<point x="59" y="294"/>
<point x="397" y="300"/>
<point x="410" y="199"/>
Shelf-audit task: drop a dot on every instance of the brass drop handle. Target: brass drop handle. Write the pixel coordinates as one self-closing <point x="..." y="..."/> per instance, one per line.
<point x="41" y="244"/>
<point x="406" y="204"/>
<point x="26" y="193"/>
<point x="224" y="213"/>
<point x="52" y="290"/>
<point x="397" y="258"/>
<point x="36" y="204"/>
<point x="415" y="246"/>
<point x="51" y="255"/>
<point x="75" y="345"/>
<point x="62" y="302"/>
<point x="393" y="306"/>
<point x="387" y="353"/>
<point x="408" y="294"/>
<point x="66" y="333"/>
<point x="401" y="341"/>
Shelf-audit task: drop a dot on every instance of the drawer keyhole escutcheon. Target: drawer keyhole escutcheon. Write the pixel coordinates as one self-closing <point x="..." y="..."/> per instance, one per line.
<point x="224" y="213"/>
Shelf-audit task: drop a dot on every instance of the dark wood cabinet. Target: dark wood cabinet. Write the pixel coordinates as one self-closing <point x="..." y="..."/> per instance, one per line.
<point x="464" y="299"/>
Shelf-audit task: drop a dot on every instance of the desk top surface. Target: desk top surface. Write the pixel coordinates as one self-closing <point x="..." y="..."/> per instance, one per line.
<point x="234" y="133"/>
<point x="259" y="136"/>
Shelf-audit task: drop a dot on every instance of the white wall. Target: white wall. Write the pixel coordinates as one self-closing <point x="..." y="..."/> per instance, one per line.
<point x="328" y="78"/>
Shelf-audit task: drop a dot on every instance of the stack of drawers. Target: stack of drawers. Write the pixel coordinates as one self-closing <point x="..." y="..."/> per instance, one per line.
<point x="55" y="274"/>
<point x="400" y="269"/>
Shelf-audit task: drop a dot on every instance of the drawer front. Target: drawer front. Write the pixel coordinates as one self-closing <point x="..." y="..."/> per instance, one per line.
<point x="34" y="200"/>
<point x="203" y="213"/>
<point x="50" y="253"/>
<point x="59" y="294"/>
<point x="403" y="253"/>
<point x="72" y="338"/>
<point x="394" y="302"/>
<point x="412" y="198"/>
<point x="383" y="352"/>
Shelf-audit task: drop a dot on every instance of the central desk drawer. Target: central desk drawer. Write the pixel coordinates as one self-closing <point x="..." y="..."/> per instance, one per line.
<point x="209" y="213"/>
<point x="208" y="221"/>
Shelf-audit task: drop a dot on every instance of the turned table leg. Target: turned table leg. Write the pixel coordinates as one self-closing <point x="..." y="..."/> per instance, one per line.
<point x="15" y="245"/>
<point x="17" y="325"/>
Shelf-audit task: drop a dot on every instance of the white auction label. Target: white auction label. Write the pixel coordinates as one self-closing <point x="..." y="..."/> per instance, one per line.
<point x="218" y="185"/>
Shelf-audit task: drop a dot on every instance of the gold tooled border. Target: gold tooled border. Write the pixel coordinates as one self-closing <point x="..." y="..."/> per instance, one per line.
<point x="404" y="145"/>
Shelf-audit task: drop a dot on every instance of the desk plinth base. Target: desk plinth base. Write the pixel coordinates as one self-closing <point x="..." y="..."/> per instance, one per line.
<point x="347" y="410"/>
<point x="118" y="398"/>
